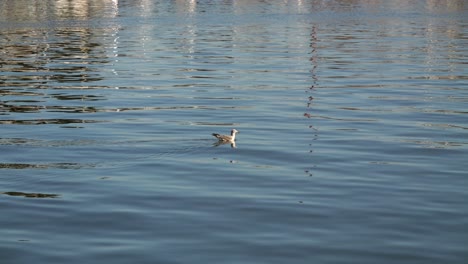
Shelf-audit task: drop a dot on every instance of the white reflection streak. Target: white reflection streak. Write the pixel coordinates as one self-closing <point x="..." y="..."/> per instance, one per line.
<point x="146" y="7"/>
<point x="115" y="8"/>
<point x="190" y="40"/>
<point x="300" y="5"/>
<point x="115" y="42"/>
<point x="115" y="50"/>
<point x="192" y="5"/>
<point x="188" y="7"/>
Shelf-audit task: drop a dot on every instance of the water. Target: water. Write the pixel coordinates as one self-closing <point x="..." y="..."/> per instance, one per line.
<point x="352" y="117"/>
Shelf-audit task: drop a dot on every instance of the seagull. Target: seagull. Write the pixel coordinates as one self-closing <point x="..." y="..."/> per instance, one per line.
<point x="226" y="138"/>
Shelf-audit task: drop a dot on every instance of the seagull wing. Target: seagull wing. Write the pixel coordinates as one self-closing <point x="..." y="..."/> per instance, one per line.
<point x="221" y="137"/>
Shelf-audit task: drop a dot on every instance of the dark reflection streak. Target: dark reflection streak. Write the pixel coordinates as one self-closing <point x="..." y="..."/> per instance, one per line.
<point x="8" y="92"/>
<point x="46" y="121"/>
<point x="32" y="195"/>
<point x="344" y="119"/>
<point x="90" y="109"/>
<point x="44" y="166"/>
<point x="78" y="97"/>
<point x="16" y="141"/>
<point x="310" y="98"/>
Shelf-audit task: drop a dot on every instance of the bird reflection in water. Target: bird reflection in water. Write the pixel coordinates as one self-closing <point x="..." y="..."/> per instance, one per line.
<point x="220" y="142"/>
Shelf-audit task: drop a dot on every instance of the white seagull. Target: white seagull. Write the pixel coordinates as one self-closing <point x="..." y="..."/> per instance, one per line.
<point x="226" y="138"/>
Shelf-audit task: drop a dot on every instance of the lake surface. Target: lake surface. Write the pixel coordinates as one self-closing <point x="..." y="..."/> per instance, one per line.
<point x="353" y="120"/>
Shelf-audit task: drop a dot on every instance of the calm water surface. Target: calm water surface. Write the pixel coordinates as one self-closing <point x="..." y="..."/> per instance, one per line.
<point x="353" y="125"/>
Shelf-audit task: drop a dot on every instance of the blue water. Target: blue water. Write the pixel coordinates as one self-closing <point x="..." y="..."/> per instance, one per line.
<point x="353" y="125"/>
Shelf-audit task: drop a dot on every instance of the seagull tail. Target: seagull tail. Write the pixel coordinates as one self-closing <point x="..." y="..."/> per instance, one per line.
<point x="216" y="135"/>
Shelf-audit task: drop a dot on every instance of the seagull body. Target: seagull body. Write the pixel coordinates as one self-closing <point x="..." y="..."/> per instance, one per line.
<point x="226" y="138"/>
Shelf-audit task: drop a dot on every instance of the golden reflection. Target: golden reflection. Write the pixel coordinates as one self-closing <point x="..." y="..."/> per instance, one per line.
<point x="186" y="6"/>
<point x="24" y="10"/>
<point x="76" y="8"/>
<point x="63" y="56"/>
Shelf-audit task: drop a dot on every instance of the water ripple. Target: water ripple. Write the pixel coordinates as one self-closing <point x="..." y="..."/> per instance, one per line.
<point x="352" y="116"/>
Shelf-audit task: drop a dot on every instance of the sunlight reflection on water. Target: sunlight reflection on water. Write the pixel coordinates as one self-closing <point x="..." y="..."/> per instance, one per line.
<point x="352" y="115"/>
